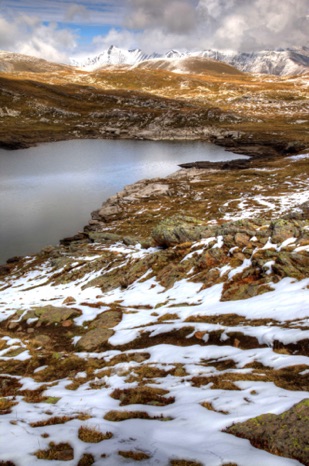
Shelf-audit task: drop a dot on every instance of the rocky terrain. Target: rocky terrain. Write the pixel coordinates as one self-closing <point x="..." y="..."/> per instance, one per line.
<point x="172" y="330"/>
<point x="206" y="100"/>
<point x="169" y="331"/>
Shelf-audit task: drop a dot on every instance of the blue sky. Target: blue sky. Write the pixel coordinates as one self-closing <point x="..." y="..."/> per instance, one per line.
<point x="60" y="29"/>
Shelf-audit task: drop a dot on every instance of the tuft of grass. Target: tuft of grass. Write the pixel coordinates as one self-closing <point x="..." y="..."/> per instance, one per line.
<point x="92" y="435"/>
<point x="52" y="421"/>
<point x="86" y="460"/>
<point x="134" y="455"/>
<point x="56" y="452"/>
<point x="168" y="317"/>
<point x="184" y="463"/>
<point x="9" y="386"/>
<point x="118" y="416"/>
<point x="6" y="405"/>
<point x="210" y="407"/>
<point x="142" y="395"/>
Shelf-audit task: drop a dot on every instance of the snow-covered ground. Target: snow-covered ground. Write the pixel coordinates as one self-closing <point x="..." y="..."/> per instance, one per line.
<point x="193" y="432"/>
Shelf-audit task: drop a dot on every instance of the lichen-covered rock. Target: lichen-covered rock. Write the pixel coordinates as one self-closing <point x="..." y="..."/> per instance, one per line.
<point x="180" y="229"/>
<point x="110" y="212"/>
<point x="103" y="237"/>
<point x="286" y="434"/>
<point x="283" y="229"/>
<point x="94" y="339"/>
<point x="107" y="319"/>
<point x="51" y="315"/>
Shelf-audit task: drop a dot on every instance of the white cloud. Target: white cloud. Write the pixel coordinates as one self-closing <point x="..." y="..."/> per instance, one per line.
<point x="152" y="25"/>
<point x="30" y="36"/>
<point x="238" y="24"/>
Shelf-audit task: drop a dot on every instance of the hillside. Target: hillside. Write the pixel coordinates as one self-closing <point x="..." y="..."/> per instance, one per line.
<point x="173" y="330"/>
<point x="208" y="101"/>
<point x="179" y="313"/>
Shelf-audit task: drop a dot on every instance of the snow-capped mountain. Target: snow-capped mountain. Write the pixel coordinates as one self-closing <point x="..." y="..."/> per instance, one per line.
<point x="280" y="62"/>
<point x="113" y="56"/>
<point x="283" y="62"/>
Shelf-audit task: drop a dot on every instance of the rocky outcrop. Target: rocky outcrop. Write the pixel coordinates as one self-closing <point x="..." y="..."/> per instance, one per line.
<point x="100" y="331"/>
<point x="180" y="229"/>
<point x="285" y="434"/>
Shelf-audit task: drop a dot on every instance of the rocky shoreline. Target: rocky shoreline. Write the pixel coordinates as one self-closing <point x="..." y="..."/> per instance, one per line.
<point x="182" y="302"/>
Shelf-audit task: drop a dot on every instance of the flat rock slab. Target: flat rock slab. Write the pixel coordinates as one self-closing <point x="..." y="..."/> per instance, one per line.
<point x="51" y="315"/>
<point x="94" y="339"/>
<point x="286" y="434"/>
<point x="107" y="319"/>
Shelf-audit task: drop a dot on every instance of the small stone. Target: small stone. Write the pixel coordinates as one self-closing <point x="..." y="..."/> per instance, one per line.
<point x="13" y="325"/>
<point x="242" y="240"/>
<point x="69" y="300"/>
<point x="67" y="323"/>
<point x="41" y="340"/>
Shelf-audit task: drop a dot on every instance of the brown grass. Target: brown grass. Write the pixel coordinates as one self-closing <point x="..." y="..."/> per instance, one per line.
<point x="210" y="407"/>
<point x="6" y="405"/>
<point x="118" y="416"/>
<point x="92" y="435"/>
<point x="134" y="455"/>
<point x="142" y="395"/>
<point x="86" y="460"/>
<point x="52" y="421"/>
<point x="184" y="463"/>
<point x="56" y="452"/>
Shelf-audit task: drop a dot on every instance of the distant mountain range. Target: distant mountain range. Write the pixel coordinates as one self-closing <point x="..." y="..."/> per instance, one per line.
<point x="281" y="62"/>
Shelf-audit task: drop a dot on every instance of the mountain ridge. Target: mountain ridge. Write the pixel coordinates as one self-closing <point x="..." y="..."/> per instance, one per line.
<point x="282" y="62"/>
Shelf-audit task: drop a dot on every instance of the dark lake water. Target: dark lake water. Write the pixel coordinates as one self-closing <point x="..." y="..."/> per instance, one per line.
<point x="47" y="192"/>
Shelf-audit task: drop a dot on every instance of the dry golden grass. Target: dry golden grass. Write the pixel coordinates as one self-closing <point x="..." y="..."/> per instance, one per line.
<point x="184" y="463"/>
<point x="86" y="460"/>
<point x="52" y="421"/>
<point x="134" y="455"/>
<point x="210" y="407"/>
<point x="6" y="405"/>
<point x="92" y="435"/>
<point x="142" y="395"/>
<point x="56" y="452"/>
<point x="119" y="416"/>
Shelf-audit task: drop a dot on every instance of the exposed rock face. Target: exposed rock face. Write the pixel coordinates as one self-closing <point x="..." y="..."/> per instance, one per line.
<point x="180" y="229"/>
<point x="50" y="315"/>
<point x="94" y="339"/>
<point x="286" y="434"/>
<point x="100" y="331"/>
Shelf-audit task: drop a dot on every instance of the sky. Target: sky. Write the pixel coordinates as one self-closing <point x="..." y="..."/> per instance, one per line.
<point x="59" y="29"/>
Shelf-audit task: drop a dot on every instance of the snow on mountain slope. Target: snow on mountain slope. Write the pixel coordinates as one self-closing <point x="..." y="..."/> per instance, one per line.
<point x="283" y="62"/>
<point x="111" y="57"/>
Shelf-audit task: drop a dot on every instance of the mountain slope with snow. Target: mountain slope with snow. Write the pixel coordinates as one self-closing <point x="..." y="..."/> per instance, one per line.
<point x="114" y="348"/>
<point x="283" y="62"/>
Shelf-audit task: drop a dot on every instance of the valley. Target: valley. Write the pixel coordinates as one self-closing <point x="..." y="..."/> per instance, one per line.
<point x="210" y="101"/>
<point x="173" y="328"/>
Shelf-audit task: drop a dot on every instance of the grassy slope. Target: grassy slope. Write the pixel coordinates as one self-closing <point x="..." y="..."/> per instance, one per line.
<point x="262" y="110"/>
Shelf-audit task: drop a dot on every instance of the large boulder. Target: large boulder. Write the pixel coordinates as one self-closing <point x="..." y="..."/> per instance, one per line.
<point x="286" y="434"/>
<point x="100" y="331"/>
<point x="51" y="315"/>
<point x="180" y="229"/>
<point x="94" y="339"/>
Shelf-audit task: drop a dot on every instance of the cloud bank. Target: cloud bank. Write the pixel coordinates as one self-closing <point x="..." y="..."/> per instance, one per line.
<point x="54" y="30"/>
<point x="29" y="35"/>
<point x="221" y="24"/>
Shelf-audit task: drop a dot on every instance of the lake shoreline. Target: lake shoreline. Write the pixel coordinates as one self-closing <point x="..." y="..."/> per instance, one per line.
<point x="251" y="145"/>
